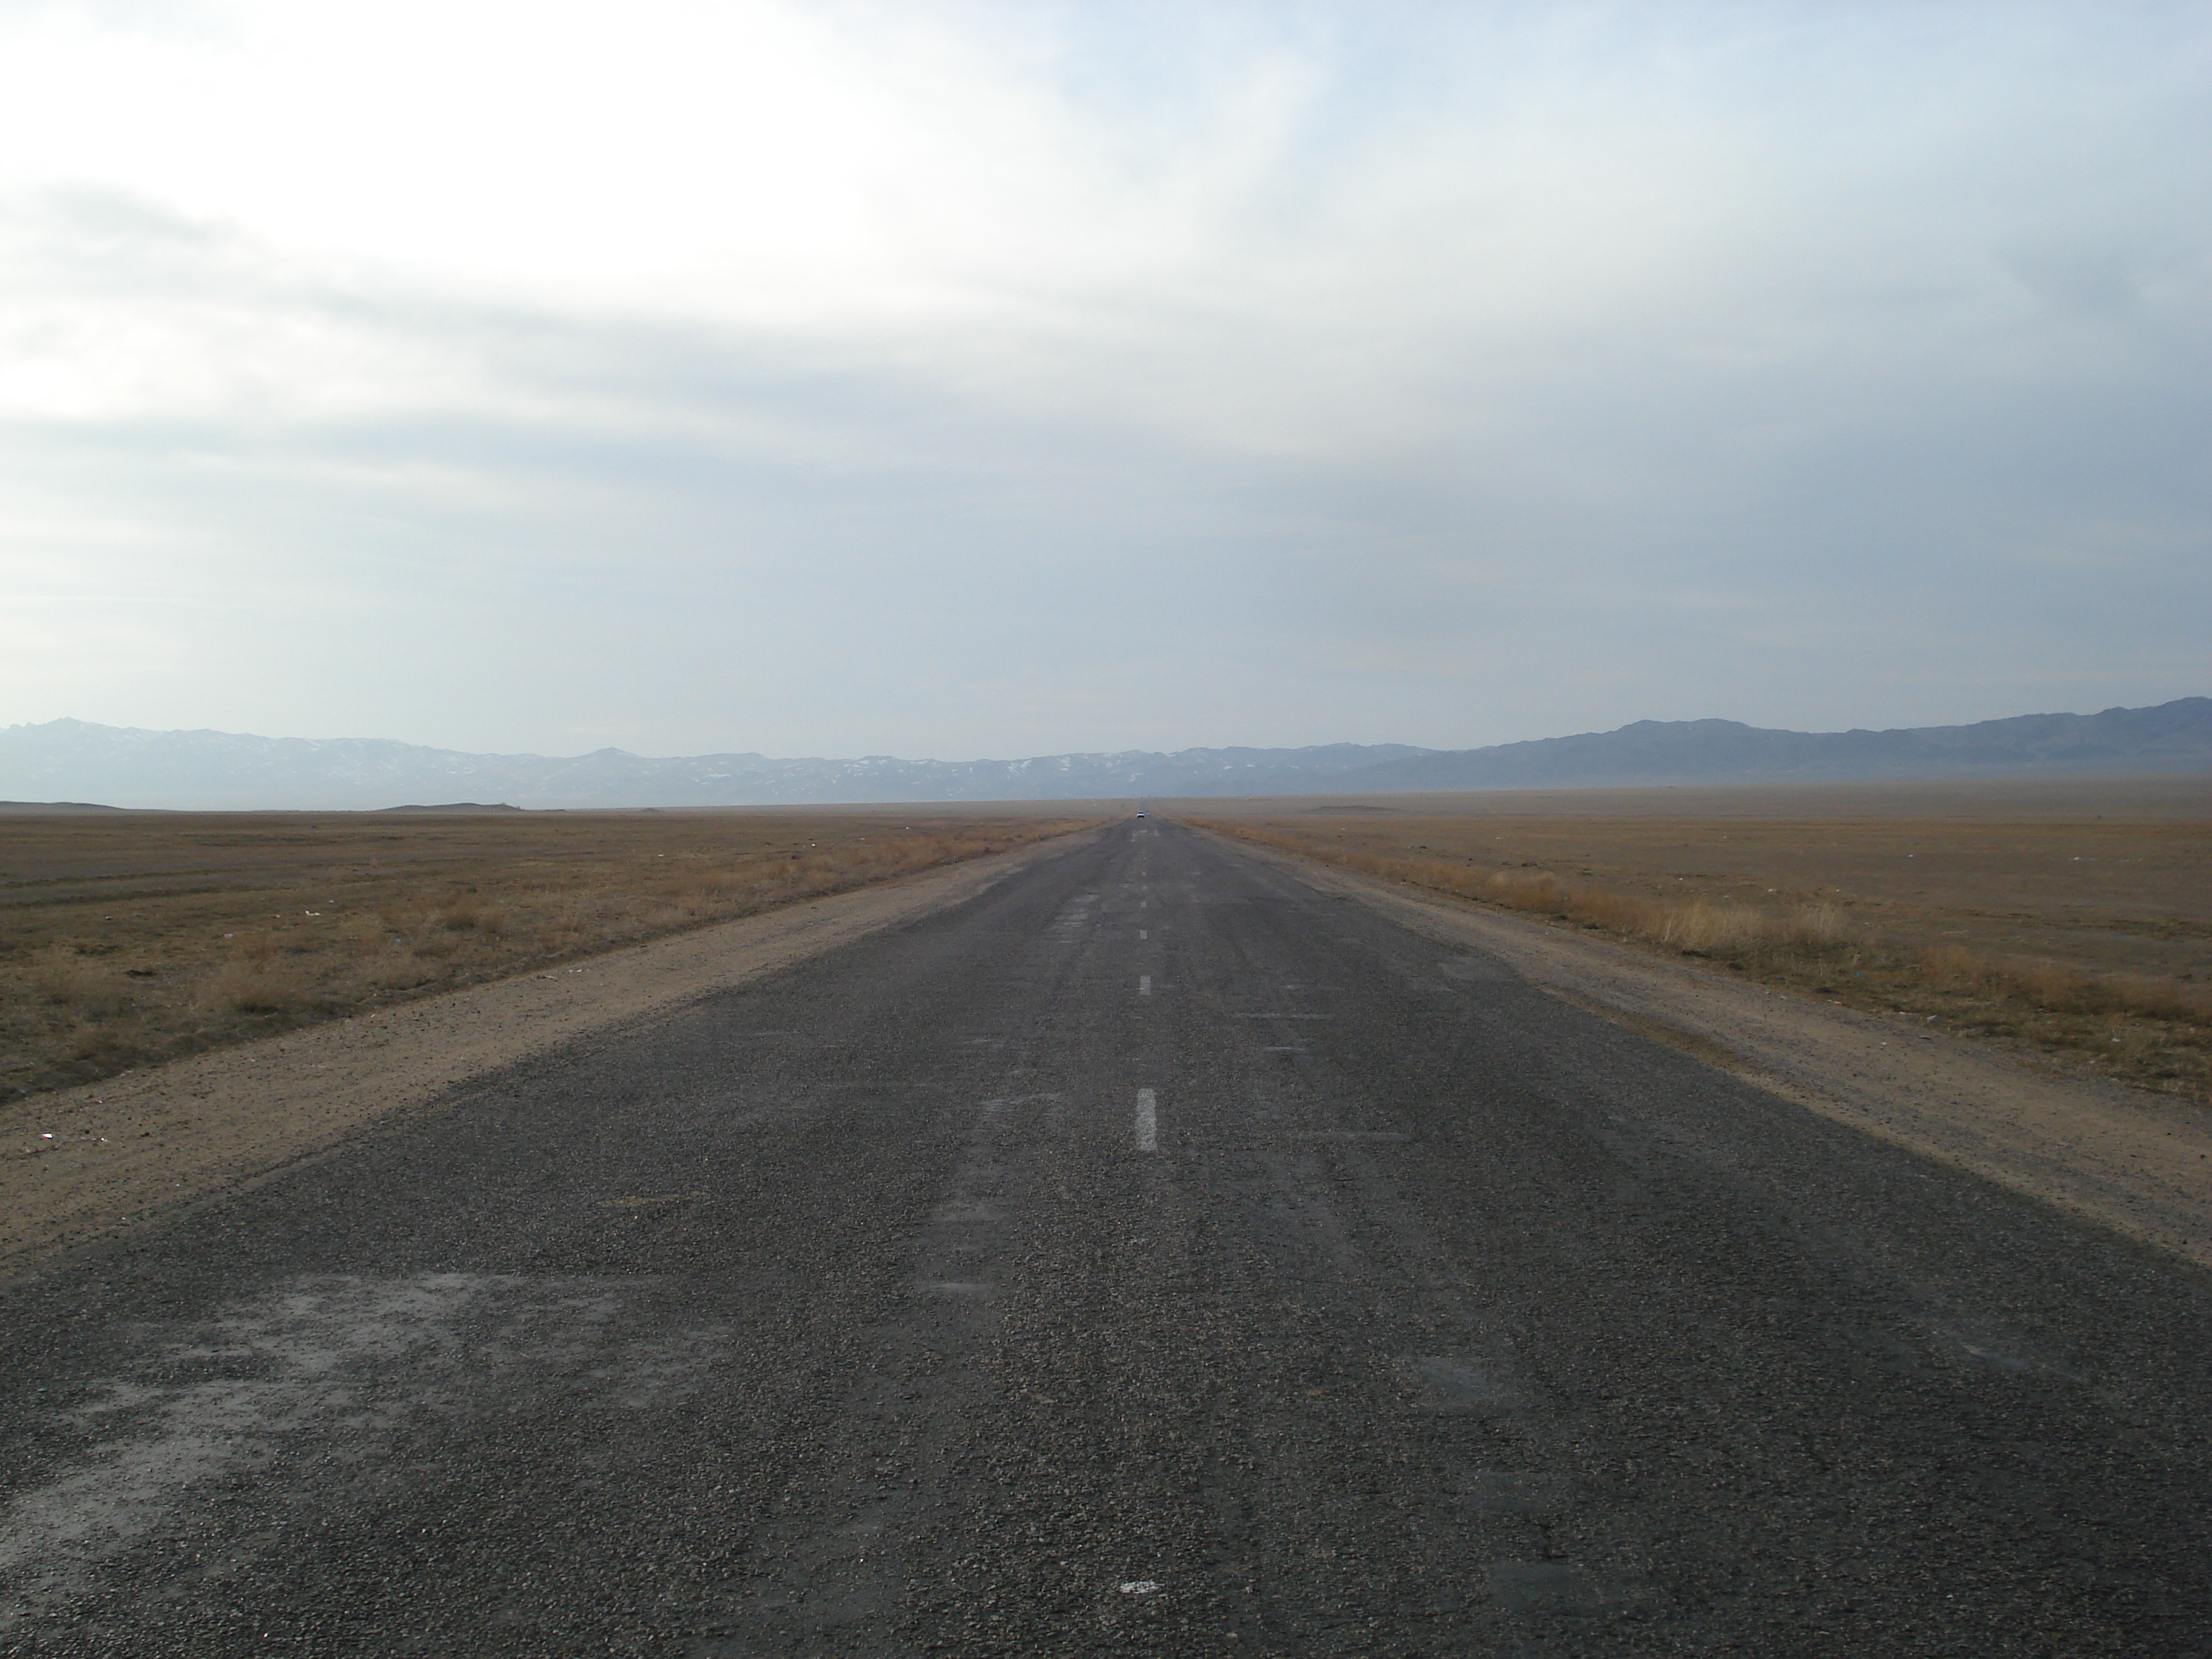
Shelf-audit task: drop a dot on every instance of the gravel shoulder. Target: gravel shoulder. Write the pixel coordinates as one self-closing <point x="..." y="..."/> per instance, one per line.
<point x="2128" y="1161"/>
<point x="81" y="1164"/>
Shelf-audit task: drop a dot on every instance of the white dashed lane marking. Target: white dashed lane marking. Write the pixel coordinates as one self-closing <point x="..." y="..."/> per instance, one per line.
<point x="1148" y="1121"/>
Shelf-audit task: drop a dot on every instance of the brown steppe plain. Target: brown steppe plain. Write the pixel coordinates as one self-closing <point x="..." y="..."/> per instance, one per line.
<point x="2069" y="923"/>
<point x="2068" y="920"/>
<point x="134" y="937"/>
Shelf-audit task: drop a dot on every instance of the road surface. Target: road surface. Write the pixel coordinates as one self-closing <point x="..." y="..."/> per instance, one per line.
<point x="1150" y="1254"/>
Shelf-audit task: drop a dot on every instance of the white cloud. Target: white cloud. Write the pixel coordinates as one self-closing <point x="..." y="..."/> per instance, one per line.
<point x="965" y="379"/>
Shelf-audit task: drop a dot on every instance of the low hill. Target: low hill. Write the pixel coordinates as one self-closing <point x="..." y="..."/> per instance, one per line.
<point x="466" y="808"/>
<point x="2172" y="736"/>
<point x="226" y="770"/>
<point x="230" y="770"/>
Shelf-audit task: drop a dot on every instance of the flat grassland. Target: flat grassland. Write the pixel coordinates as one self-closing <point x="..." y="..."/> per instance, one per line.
<point x="2068" y="916"/>
<point x="130" y="938"/>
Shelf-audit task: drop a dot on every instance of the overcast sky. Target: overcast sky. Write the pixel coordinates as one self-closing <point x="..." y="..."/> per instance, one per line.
<point x="997" y="379"/>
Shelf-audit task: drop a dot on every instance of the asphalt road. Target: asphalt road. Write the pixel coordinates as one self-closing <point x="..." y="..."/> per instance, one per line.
<point x="1149" y="1254"/>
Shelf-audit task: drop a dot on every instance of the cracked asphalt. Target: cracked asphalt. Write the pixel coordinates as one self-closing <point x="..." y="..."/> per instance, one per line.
<point x="850" y="1313"/>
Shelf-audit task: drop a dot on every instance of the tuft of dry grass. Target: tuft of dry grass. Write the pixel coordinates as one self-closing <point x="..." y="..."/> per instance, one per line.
<point x="466" y="912"/>
<point x="136" y="939"/>
<point x="246" y="987"/>
<point x="65" y="979"/>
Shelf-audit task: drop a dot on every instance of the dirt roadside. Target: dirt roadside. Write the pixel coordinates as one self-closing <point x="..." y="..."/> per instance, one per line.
<point x="2133" y="1162"/>
<point x="85" y="1163"/>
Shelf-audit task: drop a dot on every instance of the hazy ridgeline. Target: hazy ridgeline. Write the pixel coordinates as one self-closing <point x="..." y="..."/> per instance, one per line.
<point x="2075" y="918"/>
<point x="78" y="761"/>
<point x="136" y="939"/>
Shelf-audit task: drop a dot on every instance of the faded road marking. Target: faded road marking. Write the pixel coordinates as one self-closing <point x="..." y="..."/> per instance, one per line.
<point x="1148" y="1121"/>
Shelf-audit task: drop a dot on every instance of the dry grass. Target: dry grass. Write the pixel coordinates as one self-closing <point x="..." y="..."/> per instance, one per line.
<point x="131" y="940"/>
<point x="2055" y="986"/>
<point x="2080" y="935"/>
<point x="62" y="978"/>
<point x="1697" y="928"/>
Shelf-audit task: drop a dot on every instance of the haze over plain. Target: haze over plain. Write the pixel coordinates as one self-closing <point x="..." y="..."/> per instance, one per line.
<point x="983" y="380"/>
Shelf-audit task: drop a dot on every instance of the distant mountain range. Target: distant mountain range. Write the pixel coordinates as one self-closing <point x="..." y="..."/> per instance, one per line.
<point x="123" y="766"/>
